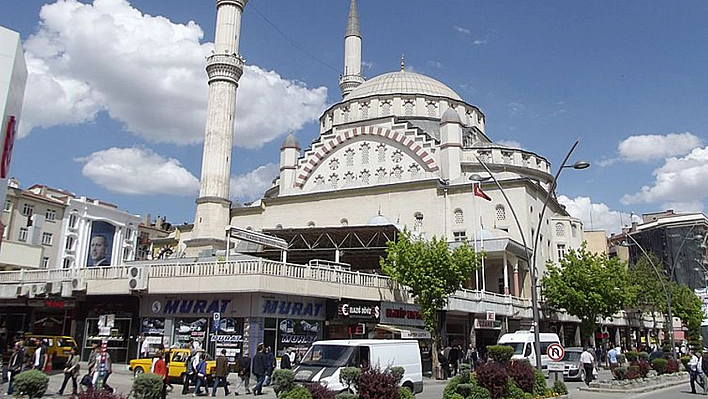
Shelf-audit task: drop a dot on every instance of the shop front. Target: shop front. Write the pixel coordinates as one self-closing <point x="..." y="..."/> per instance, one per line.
<point x="405" y="321"/>
<point x="352" y="319"/>
<point x="121" y="337"/>
<point x="486" y="331"/>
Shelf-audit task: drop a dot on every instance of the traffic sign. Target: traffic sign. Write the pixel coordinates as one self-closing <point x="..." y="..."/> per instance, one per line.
<point x="555" y="352"/>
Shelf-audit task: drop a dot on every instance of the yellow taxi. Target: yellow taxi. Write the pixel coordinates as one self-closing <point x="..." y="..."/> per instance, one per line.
<point x="177" y="368"/>
<point x="59" y="347"/>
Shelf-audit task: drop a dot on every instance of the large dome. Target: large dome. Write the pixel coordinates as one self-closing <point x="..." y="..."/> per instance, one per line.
<point x="402" y="83"/>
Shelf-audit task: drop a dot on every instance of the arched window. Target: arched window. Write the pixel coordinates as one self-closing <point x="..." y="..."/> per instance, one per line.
<point x="560" y="230"/>
<point x="418" y="221"/>
<point x="501" y="212"/>
<point x="459" y="216"/>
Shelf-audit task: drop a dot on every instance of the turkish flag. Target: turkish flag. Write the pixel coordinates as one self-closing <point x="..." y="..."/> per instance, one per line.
<point x="479" y="193"/>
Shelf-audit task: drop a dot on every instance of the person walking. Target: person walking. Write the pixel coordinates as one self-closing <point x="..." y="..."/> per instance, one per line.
<point x="271" y="365"/>
<point x="201" y="375"/>
<point x="588" y="361"/>
<point x="260" y="368"/>
<point x="704" y="370"/>
<point x="71" y="371"/>
<point x="190" y="374"/>
<point x="695" y="370"/>
<point x="222" y="371"/>
<point x="244" y="373"/>
<point x="40" y="355"/>
<point x="160" y="368"/>
<point x="285" y="363"/>
<point x="15" y="365"/>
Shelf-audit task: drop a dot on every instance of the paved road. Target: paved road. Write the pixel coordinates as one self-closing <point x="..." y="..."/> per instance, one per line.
<point x="122" y="381"/>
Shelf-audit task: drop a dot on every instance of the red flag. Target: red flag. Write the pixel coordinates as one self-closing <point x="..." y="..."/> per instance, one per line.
<point x="479" y="193"/>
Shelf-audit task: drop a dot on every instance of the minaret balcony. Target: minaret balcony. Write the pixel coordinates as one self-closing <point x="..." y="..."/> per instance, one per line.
<point x="228" y="67"/>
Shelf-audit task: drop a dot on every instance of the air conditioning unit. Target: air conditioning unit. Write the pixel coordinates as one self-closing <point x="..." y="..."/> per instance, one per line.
<point x="78" y="284"/>
<point x="137" y="278"/>
<point x="67" y="289"/>
<point x="54" y="287"/>
<point x="23" y="290"/>
<point x="41" y="288"/>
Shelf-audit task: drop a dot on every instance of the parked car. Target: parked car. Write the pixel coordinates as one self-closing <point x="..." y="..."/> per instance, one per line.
<point x="573" y="369"/>
<point x="177" y="368"/>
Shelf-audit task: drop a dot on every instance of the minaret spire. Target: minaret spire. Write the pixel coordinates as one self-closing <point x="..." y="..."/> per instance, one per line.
<point x="224" y="69"/>
<point x="352" y="76"/>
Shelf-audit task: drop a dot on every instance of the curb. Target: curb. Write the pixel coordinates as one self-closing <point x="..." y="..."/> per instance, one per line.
<point x="635" y="390"/>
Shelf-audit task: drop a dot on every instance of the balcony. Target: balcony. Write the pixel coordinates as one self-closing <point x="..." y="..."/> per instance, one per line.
<point x="20" y="255"/>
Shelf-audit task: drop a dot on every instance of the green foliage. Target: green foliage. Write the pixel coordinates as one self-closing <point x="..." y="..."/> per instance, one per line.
<point x="398" y="372"/>
<point x="587" y="285"/>
<point x="619" y="373"/>
<point x="465" y="389"/>
<point x="147" y="386"/>
<point x="32" y="383"/>
<point x="451" y="387"/>
<point x="493" y="376"/>
<point x="500" y="353"/>
<point x="684" y="360"/>
<point x="282" y="380"/>
<point x="560" y="388"/>
<point x="632" y="356"/>
<point x="539" y="383"/>
<point x="522" y="374"/>
<point x="405" y="393"/>
<point x="686" y="305"/>
<point x="298" y="392"/>
<point x="350" y="376"/>
<point x="430" y="270"/>
<point x="513" y="391"/>
<point x="99" y="394"/>
<point x="457" y="396"/>
<point x="480" y="392"/>
<point x="346" y="395"/>
<point x="660" y="365"/>
<point x="649" y="283"/>
<point x="645" y="356"/>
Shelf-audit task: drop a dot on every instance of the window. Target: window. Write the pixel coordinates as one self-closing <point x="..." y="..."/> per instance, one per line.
<point x="364" y="149"/>
<point x="459" y="236"/>
<point x="560" y="230"/>
<point x="501" y="212"/>
<point x="51" y="215"/>
<point x="344" y="222"/>
<point x="459" y="216"/>
<point x="46" y="238"/>
<point x="73" y="219"/>
<point x="381" y="150"/>
<point x="126" y="254"/>
<point x="66" y="264"/>
<point x="408" y="107"/>
<point x="574" y="230"/>
<point x="129" y="234"/>
<point x="23" y="234"/>
<point x="27" y="209"/>
<point x="70" y="243"/>
<point x="418" y="225"/>
<point x="8" y="205"/>
<point x="45" y="262"/>
<point x="561" y="251"/>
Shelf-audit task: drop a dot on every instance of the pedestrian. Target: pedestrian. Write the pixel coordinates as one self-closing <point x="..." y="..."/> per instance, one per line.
<point x="160" y="368"/>
<point x="695" y="370"/>
<point x="201" y="375"/>
<point x="15" y="365"/>
<point x="244" y="373"/>
<point x="612" y="357"/>
<point x="271" y="365"/>
<point x="587" y="359"/>
<point x="285" y="363"/>
<point x="40" y="355"/>
<point x="145" y="347"/>
<point x="704" y="371"/>
<point x="444" y="365"/>
<point x="222" y="371"/>
<point x="260" y="367"/>
<point x="190" y="373"/>
<point x="71" y="371"/>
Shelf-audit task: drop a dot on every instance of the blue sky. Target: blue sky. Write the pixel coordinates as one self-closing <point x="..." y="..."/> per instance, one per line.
<point x="114" y="107"/>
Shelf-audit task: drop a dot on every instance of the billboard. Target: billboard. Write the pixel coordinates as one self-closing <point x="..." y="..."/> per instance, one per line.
<point x="99" y="250"/>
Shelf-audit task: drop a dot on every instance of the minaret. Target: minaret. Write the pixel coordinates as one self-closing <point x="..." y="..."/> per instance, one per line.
<point x="224" y="68"/>
<point x="351" y="77"/>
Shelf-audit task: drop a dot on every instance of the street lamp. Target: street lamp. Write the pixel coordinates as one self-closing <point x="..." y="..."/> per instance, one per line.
<point x="532" y="269"/>
<point x="667" y="292"/>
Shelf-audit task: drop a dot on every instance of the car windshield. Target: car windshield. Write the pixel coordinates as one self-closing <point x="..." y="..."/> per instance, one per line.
<point x="518" y="347"/>
<point x="66" y="343"/>
<point x="327" y="356"/>
<point x="571" y="357"/>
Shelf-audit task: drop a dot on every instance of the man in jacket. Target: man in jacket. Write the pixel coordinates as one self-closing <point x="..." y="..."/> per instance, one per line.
<point x="260" y="368"/>
<point x="244" y="373"/>
<point x="693" y="366"/>
<point x="71" y="371"/>
<point x="222" y="371"/>
<point x="14" y="367"/>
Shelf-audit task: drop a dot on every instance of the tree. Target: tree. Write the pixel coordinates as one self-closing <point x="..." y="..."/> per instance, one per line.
<point x="686" y="305"/>
<point x="587" y="285"/>
<point x="432" y="272"/>
<point x="650" y="286"/>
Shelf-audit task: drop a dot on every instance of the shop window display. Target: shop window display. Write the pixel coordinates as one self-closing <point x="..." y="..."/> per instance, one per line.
<point x="191" y="329"/>
<point x="117" y="340"/>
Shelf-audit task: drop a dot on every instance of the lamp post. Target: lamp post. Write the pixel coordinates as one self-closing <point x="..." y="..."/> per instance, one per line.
<point x="529" y="257"/>
<point x="667" y="293"/>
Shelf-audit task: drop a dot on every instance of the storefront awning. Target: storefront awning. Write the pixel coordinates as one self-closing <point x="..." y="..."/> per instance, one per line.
<point x="405" y="331"/>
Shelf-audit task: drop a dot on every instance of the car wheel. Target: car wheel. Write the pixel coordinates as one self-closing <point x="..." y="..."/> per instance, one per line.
<point x="138" y="370"/>
<point x="408" y="385"/>
<point x="581" y="375"/>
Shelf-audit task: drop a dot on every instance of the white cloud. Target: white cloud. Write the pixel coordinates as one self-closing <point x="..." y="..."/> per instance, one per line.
<point x="596" y="216"/>
<point x="462" y="30"/>
<point x="435" y="64"/>
<point x="367" y="64"/>
<point x="680" y="181"/>
<point x="253" y="184"/>
<point x="138" y="171"/>
<point x="510" y="143"/>
<point x="148" y="73"/>
<point x="650" y="147"/>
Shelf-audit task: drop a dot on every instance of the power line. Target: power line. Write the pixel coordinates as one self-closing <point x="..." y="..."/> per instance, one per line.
<point x="292" y="42"/>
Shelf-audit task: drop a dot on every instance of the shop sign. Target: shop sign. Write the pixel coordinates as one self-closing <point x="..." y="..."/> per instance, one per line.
<point x="297" y="339"/>
<point x="51" y="303"/>
<point x="401" y="314"/>
<point x="358" y="311"/>
<point x="153" y="326"/>
<point x="406" y="334"/>
<point x="288" y="308"/>
<point x="190" y="306"/>
<point x="484" y="324"/>
<point x="227" y="339"/>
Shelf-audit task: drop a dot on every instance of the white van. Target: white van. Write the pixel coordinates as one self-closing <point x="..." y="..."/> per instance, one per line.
<point x="522" y="342"/>
<point x="325" y="359"/>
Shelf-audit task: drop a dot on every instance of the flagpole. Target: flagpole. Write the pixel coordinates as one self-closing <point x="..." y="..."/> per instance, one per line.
<point x="474" y="219"/>
<point x="481" y="243"/>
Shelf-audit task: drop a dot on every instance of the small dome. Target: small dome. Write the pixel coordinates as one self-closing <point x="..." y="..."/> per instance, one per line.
<point x="290" y="142"/>
<point x="402" y="83"/>
<point x="450" y="116"/>
<point x="378" y="220"/>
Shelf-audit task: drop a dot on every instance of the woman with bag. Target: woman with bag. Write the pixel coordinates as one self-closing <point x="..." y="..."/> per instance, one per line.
<point x="71" y="371"/>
